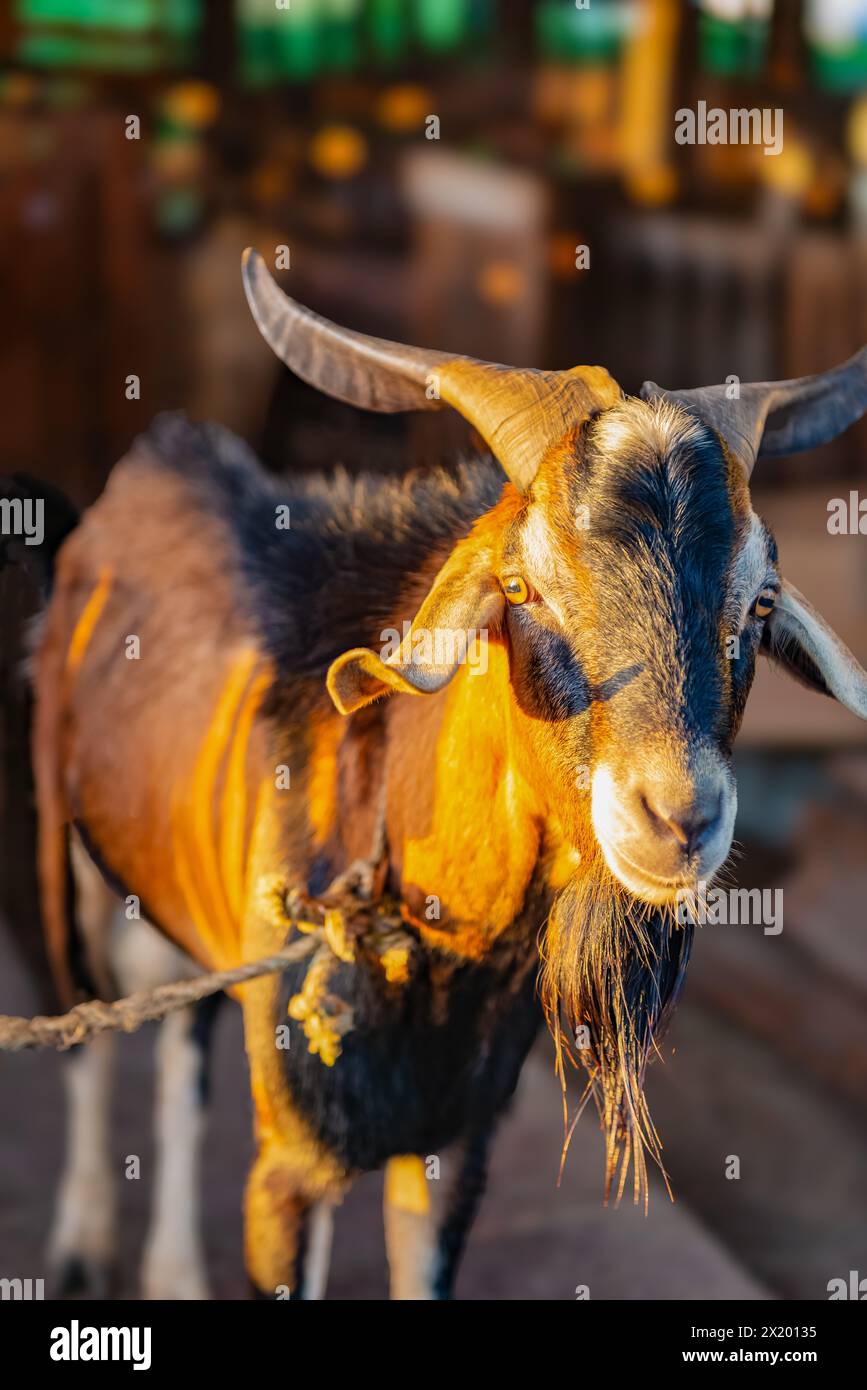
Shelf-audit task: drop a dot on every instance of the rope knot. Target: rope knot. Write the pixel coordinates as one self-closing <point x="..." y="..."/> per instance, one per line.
<point x="349" y="932"/>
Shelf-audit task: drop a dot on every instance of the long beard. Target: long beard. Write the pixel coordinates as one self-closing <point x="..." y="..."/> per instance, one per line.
<point x="612" y="971"/>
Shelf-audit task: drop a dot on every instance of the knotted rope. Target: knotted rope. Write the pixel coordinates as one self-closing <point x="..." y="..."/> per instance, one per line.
<point x="333" y="934"/>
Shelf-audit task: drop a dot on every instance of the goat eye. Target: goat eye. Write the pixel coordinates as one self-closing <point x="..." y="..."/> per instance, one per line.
<point x="516" y="589"/>
<point x="764" y="603"/>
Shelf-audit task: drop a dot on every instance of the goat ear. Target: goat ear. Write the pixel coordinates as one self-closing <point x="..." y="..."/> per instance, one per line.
<point x="451" y="627"/>
<point x="800" y="640"/>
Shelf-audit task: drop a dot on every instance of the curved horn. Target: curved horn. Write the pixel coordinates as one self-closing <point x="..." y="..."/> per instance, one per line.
<point x="774" y="418"/>
<point x="519" y="412"/>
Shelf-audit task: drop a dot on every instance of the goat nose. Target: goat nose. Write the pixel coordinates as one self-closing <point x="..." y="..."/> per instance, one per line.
<point x="689" y="823"/>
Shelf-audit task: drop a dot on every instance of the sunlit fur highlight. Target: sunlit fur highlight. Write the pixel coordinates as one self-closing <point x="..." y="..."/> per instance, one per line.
<point x="90" y="616"/>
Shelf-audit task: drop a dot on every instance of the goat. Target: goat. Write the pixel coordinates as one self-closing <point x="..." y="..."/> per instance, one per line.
<point x="568" y="769"/>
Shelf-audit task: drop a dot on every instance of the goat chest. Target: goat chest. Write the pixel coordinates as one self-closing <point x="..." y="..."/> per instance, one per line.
<point x="425" y="1063"/>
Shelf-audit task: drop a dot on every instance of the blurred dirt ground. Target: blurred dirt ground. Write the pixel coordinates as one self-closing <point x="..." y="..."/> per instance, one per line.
<point x="767" y="1061"/>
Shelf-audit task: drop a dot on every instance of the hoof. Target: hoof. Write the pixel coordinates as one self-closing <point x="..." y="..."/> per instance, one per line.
<point x="80" y="1276"/>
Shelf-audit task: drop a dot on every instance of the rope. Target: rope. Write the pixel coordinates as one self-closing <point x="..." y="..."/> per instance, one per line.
<point x="324" y="1019"/>
<point x="84" y="1021"/>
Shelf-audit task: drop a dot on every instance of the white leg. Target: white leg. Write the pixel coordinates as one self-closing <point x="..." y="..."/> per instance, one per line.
<point x="410" y="1229"/>
<point x="129" y="955"/>
<point x="173" y="1264"/>
<point x="318" y="1254"/>
<point x="81" y="1245"/>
